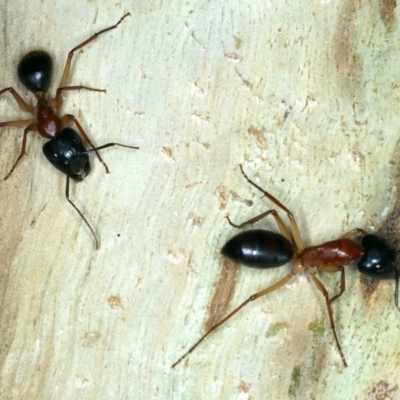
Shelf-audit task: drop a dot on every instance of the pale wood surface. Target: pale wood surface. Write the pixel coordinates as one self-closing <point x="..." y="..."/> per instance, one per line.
<point x="304" y="94"/>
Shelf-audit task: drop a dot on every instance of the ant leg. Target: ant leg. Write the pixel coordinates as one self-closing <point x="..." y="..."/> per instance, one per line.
<point x="59" y="100"/>
<point x="20" y="122"/>
<point x="67" y="67"/>
<point x="79" y="212"/>
<point x="331" y="268"/>
<point x="29" y="128"/>
<point x="21" y="102"/>
<point x="80" y="87"/>
<point x="295" y="270"/>
<point x="322" y="289"/>
<point x="354" y="232"/>
<point x="109" y="145"/>
<point x="251" y="221"/>
<point x="68" y="118"/>
<point x="293" y="223"/>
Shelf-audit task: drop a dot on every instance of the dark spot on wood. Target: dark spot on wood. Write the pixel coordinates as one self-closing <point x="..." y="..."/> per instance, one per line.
<point x="259" y="135"/>
<point x="368" y="286"/>
<point x="387" y="11"/>
<point x="383" y="390"/>
<point x="224" y="290"/>
<point x="348" y="62"/>
<point x="114" y="301"/>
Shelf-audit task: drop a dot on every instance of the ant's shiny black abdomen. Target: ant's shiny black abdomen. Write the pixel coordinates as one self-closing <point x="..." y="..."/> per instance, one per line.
<point x="259" y="248"/>
<point x="35" y="71"/>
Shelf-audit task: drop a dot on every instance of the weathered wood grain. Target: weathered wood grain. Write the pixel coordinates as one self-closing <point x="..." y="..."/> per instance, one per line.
<point x="304" y="94"/>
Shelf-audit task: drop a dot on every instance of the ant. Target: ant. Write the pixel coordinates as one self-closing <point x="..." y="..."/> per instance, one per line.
<point x="265" y="249"/>
<point x="66" y="149"/>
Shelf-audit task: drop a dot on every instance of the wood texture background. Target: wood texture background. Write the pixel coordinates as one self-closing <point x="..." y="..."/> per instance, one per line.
<point x="304" y="94"/>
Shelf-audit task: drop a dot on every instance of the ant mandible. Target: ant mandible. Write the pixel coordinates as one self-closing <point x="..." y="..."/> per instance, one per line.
<point x="66" y="149"/>
<point x="265" y="249"/>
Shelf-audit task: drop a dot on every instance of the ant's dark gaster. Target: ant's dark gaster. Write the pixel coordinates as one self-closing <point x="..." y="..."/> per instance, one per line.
<point x="66" y="148"/>
<point x="265" y="249"/>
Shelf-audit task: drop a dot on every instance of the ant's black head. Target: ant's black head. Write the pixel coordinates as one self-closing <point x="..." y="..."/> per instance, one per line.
<point x="35" y="71"/>
<point x="67" y="152"/>
<point x="379" y="258"/>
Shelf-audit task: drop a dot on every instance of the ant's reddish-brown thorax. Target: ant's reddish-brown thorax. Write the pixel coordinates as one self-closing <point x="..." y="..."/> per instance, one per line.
<point x="48" y="123"/>
<point x="337" y="252"/>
